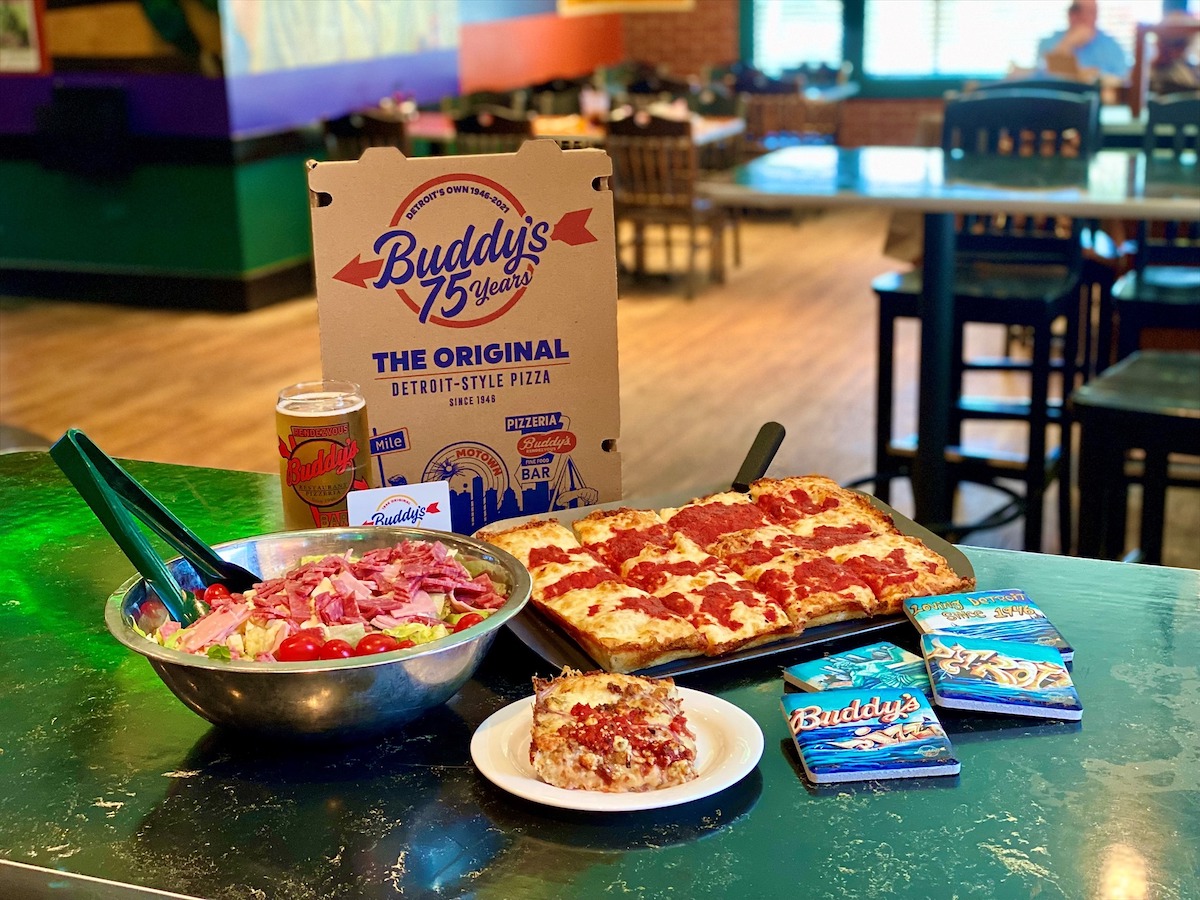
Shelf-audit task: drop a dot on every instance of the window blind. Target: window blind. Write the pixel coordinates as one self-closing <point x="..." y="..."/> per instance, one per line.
<point x="790" y="33"/>
<point x="916" y="38"/>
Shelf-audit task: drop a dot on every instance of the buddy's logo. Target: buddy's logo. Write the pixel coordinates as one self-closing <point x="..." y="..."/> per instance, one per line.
<point x="322" y="471"/>
<point x="533" y="445"/>
<point x="400" y="509"/>
<point x="460" y="276"/>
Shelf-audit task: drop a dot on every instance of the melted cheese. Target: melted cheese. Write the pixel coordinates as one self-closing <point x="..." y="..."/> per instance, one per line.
<point x="523" y="539"/>
<point x="603" y="525"/>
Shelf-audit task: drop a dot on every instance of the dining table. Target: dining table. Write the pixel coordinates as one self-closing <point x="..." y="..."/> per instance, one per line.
<point x="111" y="788"/>
<point x="1110" y="184"/>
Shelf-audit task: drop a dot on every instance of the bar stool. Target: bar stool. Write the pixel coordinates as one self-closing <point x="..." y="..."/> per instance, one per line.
<point x="1013" y="271"/>
<point x="1149" y="401"/>
<point x="1163" y="290"/>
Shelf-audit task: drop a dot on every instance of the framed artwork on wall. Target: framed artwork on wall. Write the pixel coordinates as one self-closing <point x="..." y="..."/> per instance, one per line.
<point x="22" y="38"/>
<point x="597" y="7"/>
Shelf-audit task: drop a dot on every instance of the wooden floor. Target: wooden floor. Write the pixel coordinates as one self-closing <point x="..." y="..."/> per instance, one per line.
<point x="789" y="337"/>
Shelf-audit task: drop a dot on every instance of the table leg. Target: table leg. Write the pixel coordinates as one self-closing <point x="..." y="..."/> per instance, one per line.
<point x="1154" y="502"/>
<point x="931" y="486"/>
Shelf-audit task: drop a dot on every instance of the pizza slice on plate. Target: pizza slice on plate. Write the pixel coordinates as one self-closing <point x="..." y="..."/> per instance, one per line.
<point x="897" y="566"/>
<point x="613" y="733"/>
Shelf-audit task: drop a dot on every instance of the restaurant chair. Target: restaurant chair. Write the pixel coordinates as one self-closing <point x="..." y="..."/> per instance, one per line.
<point x="557" y="97"/>
<point x="346" y="137"/>
<point x="1139" y="423"/>
<point x="1062" y="85"/>
<point x="655" y="170"/>
<point x="513" y="104"/>
<point x="491" y="131"/>
<point x="718" y="101"/>
<point x="1172" y="27"/>
<point x="1102" y="258"/>
<point x="1009" y="271"/>
<point x="1163" y="289"/>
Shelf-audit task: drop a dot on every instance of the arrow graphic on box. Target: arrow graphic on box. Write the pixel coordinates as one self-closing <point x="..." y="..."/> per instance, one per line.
<point x="357" y="272"/>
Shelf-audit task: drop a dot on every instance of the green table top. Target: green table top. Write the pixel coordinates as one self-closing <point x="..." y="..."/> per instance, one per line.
<point x="104" y="773"/>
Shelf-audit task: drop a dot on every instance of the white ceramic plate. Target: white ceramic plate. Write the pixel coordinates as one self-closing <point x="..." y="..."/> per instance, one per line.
<point x="728" y="745"/>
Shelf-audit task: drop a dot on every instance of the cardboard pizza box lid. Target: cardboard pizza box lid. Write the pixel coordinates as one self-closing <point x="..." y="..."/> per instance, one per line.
<point x="474" y="300"/>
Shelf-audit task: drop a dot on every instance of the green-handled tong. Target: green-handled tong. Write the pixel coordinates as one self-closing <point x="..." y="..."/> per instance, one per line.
<point x="112" y="493"/>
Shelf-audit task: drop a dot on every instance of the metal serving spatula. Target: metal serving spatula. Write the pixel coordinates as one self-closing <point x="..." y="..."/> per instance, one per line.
<point x="758" y="458"/>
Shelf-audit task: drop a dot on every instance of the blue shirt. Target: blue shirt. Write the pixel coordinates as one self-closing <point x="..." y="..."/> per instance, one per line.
<point x="1101" y="52"/>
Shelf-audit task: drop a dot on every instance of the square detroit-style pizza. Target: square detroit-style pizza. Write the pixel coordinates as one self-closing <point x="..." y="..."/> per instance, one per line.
<point x="637" y="588"/>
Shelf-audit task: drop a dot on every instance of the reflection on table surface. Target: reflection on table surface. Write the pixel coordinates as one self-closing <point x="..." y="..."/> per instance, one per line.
<point x="1110" y="183"/>
<point x="105" y="774"/>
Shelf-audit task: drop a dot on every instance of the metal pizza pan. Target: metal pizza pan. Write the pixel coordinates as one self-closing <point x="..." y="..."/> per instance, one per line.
<point x="553" y="645"/>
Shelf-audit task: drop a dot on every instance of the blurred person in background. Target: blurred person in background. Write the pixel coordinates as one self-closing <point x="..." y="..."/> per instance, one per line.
<point x="1095" y="55"/>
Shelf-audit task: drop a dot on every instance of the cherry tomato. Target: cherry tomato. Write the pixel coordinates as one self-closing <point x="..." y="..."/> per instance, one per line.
<point x="304" y="646"/>
<point x="215" y="592"/>
<point x="467" y="621"/>
<point x="405" y="644"/>
<point x="376" y="643"/>
<point x="336" y="649"/>
<point x="151" y="615"/>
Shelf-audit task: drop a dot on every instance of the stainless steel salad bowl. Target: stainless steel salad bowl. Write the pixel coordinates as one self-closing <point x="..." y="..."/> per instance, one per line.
<point x="328" y="698"/>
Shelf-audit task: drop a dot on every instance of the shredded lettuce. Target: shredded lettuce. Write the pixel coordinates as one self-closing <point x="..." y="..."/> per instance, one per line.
<point x="417" y="632"/>
<point x="351" y="634"/>
<point x="260" y="639"/>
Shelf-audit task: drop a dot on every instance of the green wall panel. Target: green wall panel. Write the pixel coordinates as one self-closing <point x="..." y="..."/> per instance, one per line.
<point x="218" y="220"/>
<point x="272" y="212"/>
<point x="167" y="219"/>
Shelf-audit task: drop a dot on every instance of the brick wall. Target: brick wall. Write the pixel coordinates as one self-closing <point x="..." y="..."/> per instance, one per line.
<point x="893" y="122"/>
<point x="685" y="42"/>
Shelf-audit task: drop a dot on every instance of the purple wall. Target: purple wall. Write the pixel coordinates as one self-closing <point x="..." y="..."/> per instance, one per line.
<point x="178" y="105"/>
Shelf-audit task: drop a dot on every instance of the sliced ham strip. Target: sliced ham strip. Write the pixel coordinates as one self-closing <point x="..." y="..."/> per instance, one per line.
<point x="214" y="628"/>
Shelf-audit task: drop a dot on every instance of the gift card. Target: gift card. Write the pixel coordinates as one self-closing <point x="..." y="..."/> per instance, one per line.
<point x="422" y="505"/>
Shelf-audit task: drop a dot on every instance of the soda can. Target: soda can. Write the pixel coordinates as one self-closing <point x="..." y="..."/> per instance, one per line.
<point x="324" y="451"/>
